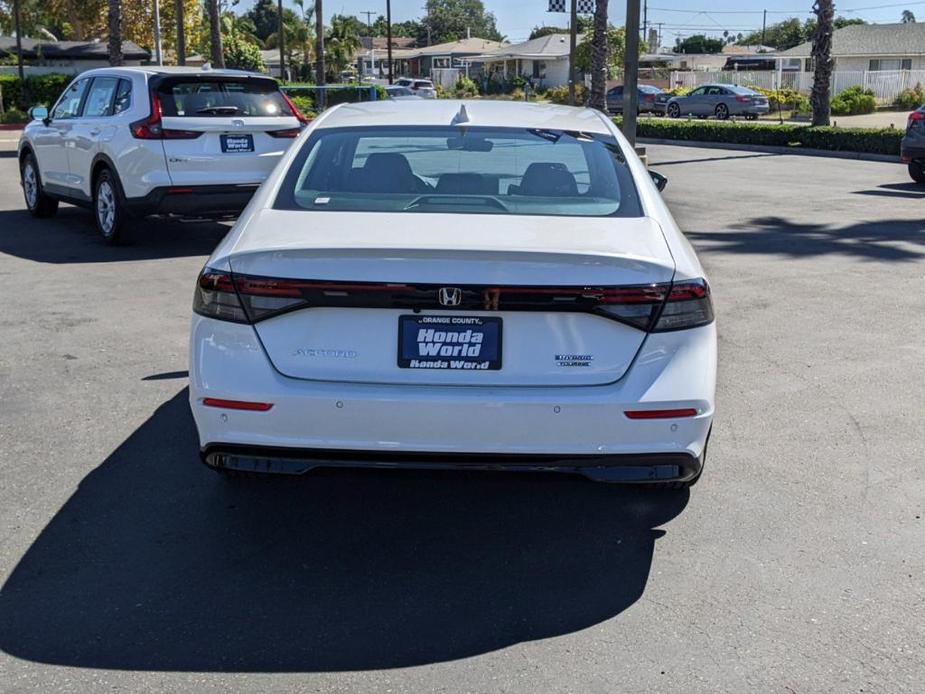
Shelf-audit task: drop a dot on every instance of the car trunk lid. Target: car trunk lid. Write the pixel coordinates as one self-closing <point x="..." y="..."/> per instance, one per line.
<point x="367" y="302"/>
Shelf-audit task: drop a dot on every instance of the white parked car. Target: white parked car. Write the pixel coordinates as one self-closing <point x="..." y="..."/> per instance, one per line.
<point x="151" y="140"/>
<point x="456" y="284"/>
<point x="422" y="88"/>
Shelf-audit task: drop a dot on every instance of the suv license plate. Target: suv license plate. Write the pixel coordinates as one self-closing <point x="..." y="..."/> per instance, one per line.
<point x="237" y="143"/>
<point x="453" y="343"/>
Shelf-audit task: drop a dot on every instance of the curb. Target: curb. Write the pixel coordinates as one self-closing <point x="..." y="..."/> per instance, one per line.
<point x="772" y="149"/>
<point x="12" y="126"/>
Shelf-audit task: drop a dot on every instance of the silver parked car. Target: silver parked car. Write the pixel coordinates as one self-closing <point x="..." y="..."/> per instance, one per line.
<point x="720" y="100"/>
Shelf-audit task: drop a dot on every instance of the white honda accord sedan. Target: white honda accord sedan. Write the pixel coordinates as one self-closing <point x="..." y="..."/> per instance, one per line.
<point x="482" y="285"/>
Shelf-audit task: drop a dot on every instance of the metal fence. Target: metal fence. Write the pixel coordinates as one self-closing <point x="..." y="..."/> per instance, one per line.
<point x="886" y="84"/>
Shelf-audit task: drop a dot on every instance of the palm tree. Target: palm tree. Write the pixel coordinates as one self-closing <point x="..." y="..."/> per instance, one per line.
<point x="298" y="38"/>
<point x="181" y="32"/>
<point x="599" y="57"/>
<point x="215" y="34"/>
<point x="822" y="61"/>
<point x="342" y="42"/>
<point x="114" y="18"/>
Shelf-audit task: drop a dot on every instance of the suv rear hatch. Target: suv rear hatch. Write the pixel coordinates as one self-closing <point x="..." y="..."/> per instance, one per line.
<point x="223" y="129"/>
<point x="516" y="297"/>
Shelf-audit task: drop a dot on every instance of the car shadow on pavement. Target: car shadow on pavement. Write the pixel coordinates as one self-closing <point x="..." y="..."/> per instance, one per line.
<point x="156" y="563"/>
<point x="71" y="237"/>
<point x="898" y="240"/>
<point x="896" y="190"/>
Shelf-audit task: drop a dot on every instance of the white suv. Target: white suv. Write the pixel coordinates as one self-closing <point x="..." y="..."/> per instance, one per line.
<point x="130" y="142"/>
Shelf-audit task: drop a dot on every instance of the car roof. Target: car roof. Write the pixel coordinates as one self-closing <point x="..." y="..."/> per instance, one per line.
<point x="173" y="70"/>
<point x="478" y="112"/>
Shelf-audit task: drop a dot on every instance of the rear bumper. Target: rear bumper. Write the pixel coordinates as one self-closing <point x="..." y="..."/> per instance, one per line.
<point x="912" y="152"/>
<point x="193" y="201"/>
<point x="667" y="467"/>
<point x="408" y="424"/>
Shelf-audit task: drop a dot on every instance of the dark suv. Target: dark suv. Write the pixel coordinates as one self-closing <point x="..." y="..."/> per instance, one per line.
<point x="913" y="145"/>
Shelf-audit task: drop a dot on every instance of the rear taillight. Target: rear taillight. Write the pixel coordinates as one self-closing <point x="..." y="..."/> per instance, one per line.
<point x="288" y="132"/>
<point x="295" y="112"/>
<point x="151" y="128"/>
<point x="653" y="308"/>
<point x="744" y="99"/>
<point x="216" y="297"/>
<point x="688" y="306"/>
<point x="916" y="117"/>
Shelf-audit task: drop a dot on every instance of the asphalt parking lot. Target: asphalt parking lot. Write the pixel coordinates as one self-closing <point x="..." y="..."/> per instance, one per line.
<point x="795" y="565"/>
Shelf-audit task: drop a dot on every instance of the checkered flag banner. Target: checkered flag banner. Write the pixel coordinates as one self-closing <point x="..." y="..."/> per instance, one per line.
<point x="584" y="6"/>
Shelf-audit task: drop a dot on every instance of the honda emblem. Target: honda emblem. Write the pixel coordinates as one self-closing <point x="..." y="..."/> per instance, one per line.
<point x="449" y="296"/>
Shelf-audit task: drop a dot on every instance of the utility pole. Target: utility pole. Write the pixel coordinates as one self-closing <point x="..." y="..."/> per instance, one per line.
<point x="631" y="72"/>
<point x="181" y="33"/>
<point x="319" y="52"/>
<point x="281" y="32"/>
<point x="158" y="52"/>
<point x="764" y="26"/>
<point x="572" y="41"/>
<point x="645" y="23"/>
<point x="388" y="35"/>
<point x="369" y="21"/>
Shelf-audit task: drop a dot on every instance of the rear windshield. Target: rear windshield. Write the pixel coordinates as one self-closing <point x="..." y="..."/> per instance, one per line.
<point x="460" y="170"/>
<point x="744" y="91"/>
<point x="222" y="97"/>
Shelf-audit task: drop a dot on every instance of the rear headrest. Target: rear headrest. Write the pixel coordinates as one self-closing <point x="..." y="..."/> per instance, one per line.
<point x="548" y="179"/>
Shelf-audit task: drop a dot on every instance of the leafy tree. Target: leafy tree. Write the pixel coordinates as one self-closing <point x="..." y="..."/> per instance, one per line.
<point x="450" y="20"/>
<point x="698" y="43"/>
<point x="341" y="43"/>
<point x="791" y="32"/>
<point x="616" y="49"/>
<point x="409" y="29"/>
<point x="908" y="17"/>
<point x="264" y="17"/>
<point x="585" y="24"/>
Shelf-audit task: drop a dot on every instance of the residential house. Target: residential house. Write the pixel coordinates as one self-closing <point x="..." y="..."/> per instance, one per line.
<point x="69" y="57"/>
<point x="866" y="47"/>
<point x="544" y="61"/>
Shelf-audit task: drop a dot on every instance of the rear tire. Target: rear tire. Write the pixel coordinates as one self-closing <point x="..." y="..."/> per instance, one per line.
<point x="108" y="209"/>
<point x="917" y="171"/>
<point x="37" y="202"/>
<point x="674" y="111"/>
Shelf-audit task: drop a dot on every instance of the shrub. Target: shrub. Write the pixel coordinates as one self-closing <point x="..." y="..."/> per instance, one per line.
<point x="465" y="88"/>
<point x="678" y="91"/>
<point x="559" y="95"/>
<point x="14" y="115"/>
<point x="42" y="90"/>
<point x="783" y="99"/>
<point x="911" y="99"/>
<point x="867" y="140"/>
<point x="852" y="101"/>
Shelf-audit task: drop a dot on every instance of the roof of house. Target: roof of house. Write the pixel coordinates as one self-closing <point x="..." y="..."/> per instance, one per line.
<point x="74" y="50"/>
<point x="471" y="46"/>
<point x="870" y="40"/>
<point x="547" y="47"/>
<point x="381" y="43"/>
<point x="735" y="49"/>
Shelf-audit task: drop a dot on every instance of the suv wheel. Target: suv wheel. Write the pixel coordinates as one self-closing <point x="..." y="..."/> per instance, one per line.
<point x="674" y="111"/>
<point x="108" y="210"/>
<point x="722" y="111"/>
<point x="917" y="171"/>
<point x="38" y="203"/>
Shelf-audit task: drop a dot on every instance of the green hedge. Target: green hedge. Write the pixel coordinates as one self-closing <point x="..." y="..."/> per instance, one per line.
<point x="867" y="140"/>
<point x="43" y="90"/>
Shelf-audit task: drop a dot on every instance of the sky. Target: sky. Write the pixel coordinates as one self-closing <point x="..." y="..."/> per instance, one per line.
<point x="679" y="18"/>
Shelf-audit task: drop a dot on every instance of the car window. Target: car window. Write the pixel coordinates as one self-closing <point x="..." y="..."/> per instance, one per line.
<point x="698" y="92"/>
<point x="99" y="98"/>
<point x="713" y="91"/>
<point x="214" y="97"/>
<point x="616" y="91"/>
<point x="450" y="170"/>
<point x="123" y="100"/>
<point x="68" y="105"/>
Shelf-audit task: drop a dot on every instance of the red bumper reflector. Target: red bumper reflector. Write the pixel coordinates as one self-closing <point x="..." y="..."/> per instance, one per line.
<point x="237" y="404"/>
<point x="661" y="414"/>
<point x="179" y="190"/>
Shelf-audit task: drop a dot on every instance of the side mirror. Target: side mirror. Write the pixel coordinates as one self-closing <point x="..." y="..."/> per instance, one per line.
<point x="38" y="113"/>
<point x="659" y="180"/>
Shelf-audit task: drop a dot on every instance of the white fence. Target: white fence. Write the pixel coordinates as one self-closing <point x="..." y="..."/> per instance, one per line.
<point x="446" y="77"/>
<point x="886" y="85"/>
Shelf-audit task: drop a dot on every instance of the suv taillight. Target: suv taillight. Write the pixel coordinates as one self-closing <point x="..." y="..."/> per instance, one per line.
<point x="151" y="128"/>
<point x="303" y="119"/>
<point x="916" y="116"/>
